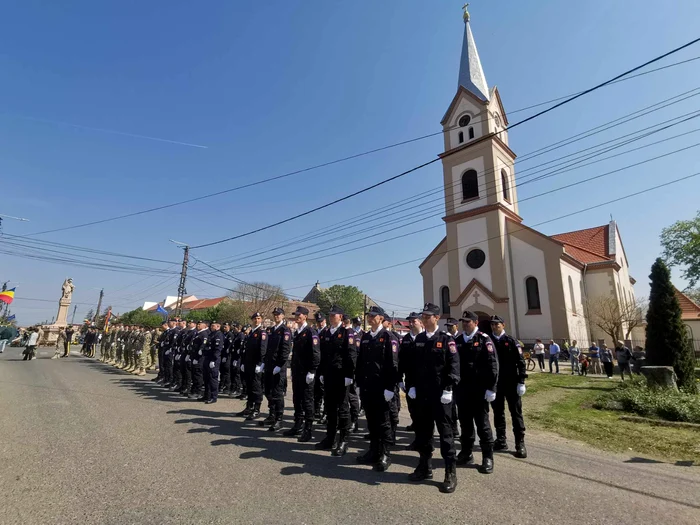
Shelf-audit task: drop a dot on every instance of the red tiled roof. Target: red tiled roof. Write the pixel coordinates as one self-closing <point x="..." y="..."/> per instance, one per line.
<point x="689" y="310"/>
<point x="201" y="304"/>
<point x="587" y="246"/>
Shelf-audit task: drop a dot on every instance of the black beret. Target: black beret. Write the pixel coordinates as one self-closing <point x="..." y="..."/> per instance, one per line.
<point x="497" y="319"/>
<point x="376" y="310"/>
<point x="336" y="310"/>
<point x="278" y="311"/>
<point x="469" y="316"/>
<point x="301" y="310"/>
<point x="431" y="309"/>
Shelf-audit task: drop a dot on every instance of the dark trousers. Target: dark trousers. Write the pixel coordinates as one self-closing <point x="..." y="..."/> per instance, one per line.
<point x="554" y="359"/>
<point x="429" y="414"/>
<point x="161" y="360"/>
<point x="509" y="394"/>
<point x="302" y="396"/>
<point x="337" y="405"/>
<point x="608" y="369"/>
<point x="275" y="387"/>
<point x="540" y="360"/>
<point x="66" y="348"/>
<point x="254" y="386"/>
<point x="411" y="404"/>
<point x="225" y="371"/>
<point x="395" y="408"/>
<point x="378" y="413"/>
<point x="168" y="372"/>
<point x="186" y="371"/>
<point x="177" y="368"/>
<point x="211" y="378"/>
<point x="318" y="394"/>
<point x="197" y="376"/>
<point x="473" y="410"/>
<point x="236" y="383"/>
<point x="354" y="401"/>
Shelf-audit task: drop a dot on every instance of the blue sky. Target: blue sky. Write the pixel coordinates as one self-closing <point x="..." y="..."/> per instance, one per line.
<point x="271" y="87"/>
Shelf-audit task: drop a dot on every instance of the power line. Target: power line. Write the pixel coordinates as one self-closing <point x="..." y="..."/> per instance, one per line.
<point x="365" y="153"/>
<point x="520" y="122"/>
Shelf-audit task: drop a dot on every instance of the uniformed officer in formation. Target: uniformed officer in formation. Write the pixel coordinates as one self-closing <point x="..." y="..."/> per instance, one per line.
<point x="252" y="367"/>
<point x="199" y="343"/>
<point x="306" y="357"/>
<point x="319" y="409"/>
<point x="211" y="360"/>
<point x="178" y="355"/>
<point x="477" y="388"/>
<point x="166" y="327"/>
<point x="407" y="352"/>
<point x="395" y="405"/>
<point x="512" y="372"/>
<point x="337" y="373"/>
<point x="186" y="359"/>
<point x="225" y="367"/>
<point x="279" y="348"/>
<point x="354" y="398"/>
<point x="434" y="375"/>
<point x="377" y="375"/>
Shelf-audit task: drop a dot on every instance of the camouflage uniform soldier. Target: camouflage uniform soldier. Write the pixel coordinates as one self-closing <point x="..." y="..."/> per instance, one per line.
<point x="113" y="345"/>
<point x="133" y="346"/>
<point x="121" y="342"/>
<point x="153" y="350"/>
<point x="143" y="352"/>
<point x="128" y="341"/>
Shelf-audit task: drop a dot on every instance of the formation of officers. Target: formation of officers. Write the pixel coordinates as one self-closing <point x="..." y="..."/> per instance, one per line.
<point x="450" y="379"/>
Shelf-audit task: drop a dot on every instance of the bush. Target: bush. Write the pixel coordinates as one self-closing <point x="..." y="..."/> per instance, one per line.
<point x="636" y="397"/>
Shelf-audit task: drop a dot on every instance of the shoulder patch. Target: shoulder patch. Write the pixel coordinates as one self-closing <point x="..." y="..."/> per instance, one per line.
<point x="394" y="346"/>
<point x="350" y="338"/>
<point x="286" y="337"/>
<point x="358" y="342"/>
<point x="489" y="347"/>
<point x="263" y="336"/>
<point x="452" y="346"/>
<point x="314" y="338"/>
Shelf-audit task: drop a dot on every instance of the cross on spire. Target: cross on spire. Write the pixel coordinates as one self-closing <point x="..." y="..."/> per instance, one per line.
<point x="466" y="12"/>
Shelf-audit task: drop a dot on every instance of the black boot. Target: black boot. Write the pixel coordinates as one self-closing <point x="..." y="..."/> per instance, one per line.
<point x="520" y="450"/>
<point x="486" y="460"/>
<point x="296" y="428"/>
<point x="384" y="461"/>
<point x="450" y="483"/>
<point x="245" y="412"/>
<point x="465" y="456"/>
<point x="356" y="427"/>
<point x="455" y="431"/>
<point x="393" y="434"/>
<point x="325" y="444"/>
<point x="255" y="414"/>
<point x="306" y="433"/>
<point x="341" y="447"/>
<point x="276" y="425"/>
<point x="424" y="470"/>
<point x="500" y="444"/>
<point x="369" y="457"/>
<point x="267" y="421"/>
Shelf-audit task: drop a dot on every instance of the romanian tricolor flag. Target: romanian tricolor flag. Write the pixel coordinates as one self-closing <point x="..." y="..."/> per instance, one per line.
<point x="7" y="296"/>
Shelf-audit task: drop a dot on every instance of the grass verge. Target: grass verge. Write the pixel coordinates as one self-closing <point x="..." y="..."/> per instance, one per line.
<point x="564" y="404"/>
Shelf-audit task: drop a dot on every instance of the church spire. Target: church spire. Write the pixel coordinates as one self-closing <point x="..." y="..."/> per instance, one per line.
<point x="471" y="75"/>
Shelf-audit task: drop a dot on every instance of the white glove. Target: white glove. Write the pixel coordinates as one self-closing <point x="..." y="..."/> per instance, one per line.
<point x="258" y="369"/>
<point x="235" y="363"/>
<point x="520" y="389"/>
<point x="320" y="378"/>
<point x="446" y="397"/>
<point x="310" y="378"/>
<point x="490" y="396"/>
<point x="212" y="364"/>
<point x="388" y="395"/>
<point x="194" y="361"/>
<point x="167" y="352"/>
<point x="242" y="368"/>
<point x="348" y="381"/>
<point x="262" y="367"/>
<point x="276" y="370"/>
<point x="402" y="386"/>
<point x="200" y="352"/>
<point x="223" y="359"/>
<point x="412" y="392"/>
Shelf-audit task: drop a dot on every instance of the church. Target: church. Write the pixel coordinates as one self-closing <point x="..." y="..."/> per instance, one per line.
<point x="489" y="261"/>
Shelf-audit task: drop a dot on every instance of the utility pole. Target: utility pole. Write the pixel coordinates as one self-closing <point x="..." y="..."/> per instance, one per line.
<point x="181" y="291"/>
<point x="99" y="305"/>
<point x="72" y="319"/>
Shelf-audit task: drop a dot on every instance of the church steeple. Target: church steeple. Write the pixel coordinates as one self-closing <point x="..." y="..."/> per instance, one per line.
<point x="471" y="75"/>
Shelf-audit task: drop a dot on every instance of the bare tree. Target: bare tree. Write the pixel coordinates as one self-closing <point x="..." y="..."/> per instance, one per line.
<point x="616" y="318"/>
<point x="258" y="297"/>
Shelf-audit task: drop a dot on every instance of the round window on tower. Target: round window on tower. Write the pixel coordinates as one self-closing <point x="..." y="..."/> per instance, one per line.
<point x="497" y="118"/>
<point x="476" y="258"/>
<point x="464" y="120"/>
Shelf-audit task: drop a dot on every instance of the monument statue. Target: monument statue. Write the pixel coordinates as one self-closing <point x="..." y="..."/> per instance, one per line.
<point x="67" y="288"/>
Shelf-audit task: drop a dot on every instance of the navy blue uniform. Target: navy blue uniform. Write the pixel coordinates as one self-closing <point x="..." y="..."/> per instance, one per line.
<point x="338" y="360"/>
<point x="254" y="355"/>
<point x="171" y="346"/>
<point x="225" y="367"/>
<point x="212" y="354"/>
<point x="186" y="360"/>
<point x="305" y="359"/>
<point x="199" y="343"/>
<point x="162" y="343"/>
<point x="279" y="346"/>
<point x="407" y="354"/>
<point x="512" y="371"/>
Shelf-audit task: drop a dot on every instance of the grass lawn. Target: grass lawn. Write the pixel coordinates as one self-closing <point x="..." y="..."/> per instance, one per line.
<point x="563" y="404"/>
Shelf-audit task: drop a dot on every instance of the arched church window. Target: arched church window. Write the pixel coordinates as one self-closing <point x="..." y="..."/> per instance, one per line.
<point x="471" y="133"/>
<point x="445" y="300"/>
<point x="573" y="297"/>
<point x="470" y="185"/>
<point x="532" y="290"/>
<point x="464" y="121"/>
<point x="504" y="183"/>
<point x="461" y="137"/>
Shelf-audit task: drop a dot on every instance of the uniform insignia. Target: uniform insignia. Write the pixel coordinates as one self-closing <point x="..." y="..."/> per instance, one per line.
<point x="340" y="336"/>
<point x="314" y="339"/>
<point x="358" y="342"/>
<point x="506" y="343"/>
<point x="520" y="350"/>
<point x="263" y="336"/>
<point x="255" y="335"/>
<point x="489" y="347"/>
<point x="381" y="339"/>
<point x="439" y="344"/>
<point x="286" y="337"/>
<point x="350" y="339"/>
<point x="205" y="341"/>
<point x="476" y="343"/>
<point x="394" y="347"/>
<point x="452" y="346"/>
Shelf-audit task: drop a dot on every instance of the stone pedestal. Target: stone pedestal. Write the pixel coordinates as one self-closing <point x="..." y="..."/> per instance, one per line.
<point x="62" y="315"/>
<point x="660" y="376"/>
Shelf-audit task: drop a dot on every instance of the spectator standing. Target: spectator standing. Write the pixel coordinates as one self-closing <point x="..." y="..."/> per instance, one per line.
<point x="554" y="352"/>
<point x="60" y="343"/>
<point x="539" y="353"/>
<point x="594" y="353"/>
<point x="624" y="356"/>
<point x="606" y="357"/>
<point x="574" y="355"/>
<point x="32" y="342"/>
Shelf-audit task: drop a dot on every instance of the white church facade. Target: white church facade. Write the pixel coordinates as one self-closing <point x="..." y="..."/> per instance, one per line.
<point x="489" y="261"/>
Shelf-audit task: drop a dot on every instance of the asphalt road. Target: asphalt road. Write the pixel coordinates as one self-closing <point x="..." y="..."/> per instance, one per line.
<point x="81" y="442"/>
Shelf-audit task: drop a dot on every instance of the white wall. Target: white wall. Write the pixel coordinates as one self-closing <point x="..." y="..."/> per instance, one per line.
<point x="471" y="108"/>
<point x="471" y="234"/>
<point x="575" y="315"/>
<point x="529" y="261"/>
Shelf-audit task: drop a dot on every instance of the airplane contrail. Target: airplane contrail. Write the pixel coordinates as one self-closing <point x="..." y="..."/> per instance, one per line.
<point x="112" y="131"/>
